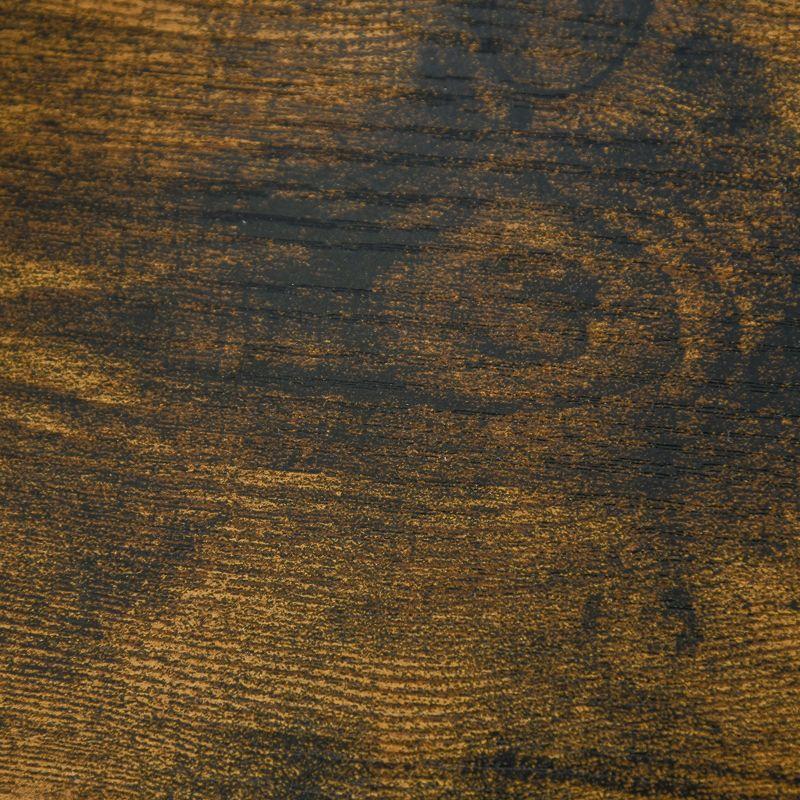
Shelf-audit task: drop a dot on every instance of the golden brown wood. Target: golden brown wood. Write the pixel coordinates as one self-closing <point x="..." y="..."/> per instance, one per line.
<point x="399" y="399"/>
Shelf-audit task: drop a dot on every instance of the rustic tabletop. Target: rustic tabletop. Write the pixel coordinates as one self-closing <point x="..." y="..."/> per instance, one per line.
<point x="399" y="399"/>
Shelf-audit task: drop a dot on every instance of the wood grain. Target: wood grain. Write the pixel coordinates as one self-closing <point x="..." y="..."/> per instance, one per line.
<point x="399" y="399"/>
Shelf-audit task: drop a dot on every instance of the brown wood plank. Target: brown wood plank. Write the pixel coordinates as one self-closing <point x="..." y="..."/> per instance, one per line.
<point x="399" y="400"/>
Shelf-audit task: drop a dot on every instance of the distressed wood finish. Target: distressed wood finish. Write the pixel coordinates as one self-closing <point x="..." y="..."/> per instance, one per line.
<point x="399" y="399"/>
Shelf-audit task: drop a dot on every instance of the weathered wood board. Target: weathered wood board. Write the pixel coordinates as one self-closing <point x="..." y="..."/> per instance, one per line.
<point x="399" y="399"/>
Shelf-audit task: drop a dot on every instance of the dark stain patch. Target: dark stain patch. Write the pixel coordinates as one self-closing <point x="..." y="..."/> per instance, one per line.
<point x="232" y="762"/>
<point x="592" y="610"/>
<point x="578" y="47"/>
<point x="512" y="773"/>
<point x="678" y="604"/>
<point x="770" y="541"/>
<point x="729" y="76"/>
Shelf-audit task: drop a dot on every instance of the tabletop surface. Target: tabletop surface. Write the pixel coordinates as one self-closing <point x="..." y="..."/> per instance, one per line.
<point x="399" y="400"/>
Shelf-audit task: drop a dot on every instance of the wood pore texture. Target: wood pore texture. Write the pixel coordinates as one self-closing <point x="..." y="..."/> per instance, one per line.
<point x="399" y="400"/>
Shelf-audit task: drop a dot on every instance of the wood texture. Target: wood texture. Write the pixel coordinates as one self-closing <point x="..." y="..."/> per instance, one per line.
<point x="399" y="399"/>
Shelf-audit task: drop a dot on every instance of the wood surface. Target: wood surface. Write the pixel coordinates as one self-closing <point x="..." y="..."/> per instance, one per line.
<point x="399" y="399"/>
